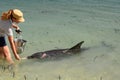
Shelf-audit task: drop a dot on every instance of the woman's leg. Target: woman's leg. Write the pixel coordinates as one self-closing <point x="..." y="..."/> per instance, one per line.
<point x="7" y="55"/>
<point x="1" y="53"/>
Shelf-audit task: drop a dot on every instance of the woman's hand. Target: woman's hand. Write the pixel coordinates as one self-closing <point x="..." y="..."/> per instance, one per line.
<point x="17" y="57"/>
<point x="18" y="31"/>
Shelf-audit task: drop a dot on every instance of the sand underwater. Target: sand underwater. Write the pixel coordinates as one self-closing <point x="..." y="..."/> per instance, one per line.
<point x="52" y="24"/>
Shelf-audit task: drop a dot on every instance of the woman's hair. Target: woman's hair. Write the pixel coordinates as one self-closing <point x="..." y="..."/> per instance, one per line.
<point x="6" y="15"/>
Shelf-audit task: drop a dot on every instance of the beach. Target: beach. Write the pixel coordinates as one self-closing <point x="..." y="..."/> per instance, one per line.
<point x="59" y="24"/>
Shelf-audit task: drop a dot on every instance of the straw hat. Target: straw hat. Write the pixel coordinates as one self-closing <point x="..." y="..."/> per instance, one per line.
<point x="18" y="15"/>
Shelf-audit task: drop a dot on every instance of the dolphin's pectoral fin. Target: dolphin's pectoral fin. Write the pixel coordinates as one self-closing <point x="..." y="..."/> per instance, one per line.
<point x="65" y="51"/>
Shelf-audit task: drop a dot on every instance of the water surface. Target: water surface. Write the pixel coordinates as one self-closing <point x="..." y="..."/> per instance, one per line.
<point x="52" y="24"/>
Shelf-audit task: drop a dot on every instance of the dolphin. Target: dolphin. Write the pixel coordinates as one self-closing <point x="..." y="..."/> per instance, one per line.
<point x="56" y="52"/>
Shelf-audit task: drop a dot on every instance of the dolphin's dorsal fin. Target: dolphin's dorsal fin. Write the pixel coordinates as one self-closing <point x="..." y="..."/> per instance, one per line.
<point x="76" y="47"/>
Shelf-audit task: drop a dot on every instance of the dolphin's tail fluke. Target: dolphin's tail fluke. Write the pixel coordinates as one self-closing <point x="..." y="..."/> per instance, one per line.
<point x="76" y="48"/>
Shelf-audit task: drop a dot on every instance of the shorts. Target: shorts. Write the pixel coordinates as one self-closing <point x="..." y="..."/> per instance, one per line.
<point x="2" y="42"/>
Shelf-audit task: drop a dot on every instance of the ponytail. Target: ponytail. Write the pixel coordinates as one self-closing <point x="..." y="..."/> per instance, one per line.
<point x="6" y="15"/>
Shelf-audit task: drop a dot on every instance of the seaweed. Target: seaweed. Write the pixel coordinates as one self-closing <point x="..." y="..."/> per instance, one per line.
<point x="95" y="58"/>
<point x="10" y="68"/>
<point x="25" y="77"/>
<point x="13" y="74"/>
<point x="59" y="77"/>
<point x="117" y="30"/>
<point x="101" y="78"/>
<point x="109" y="46"/>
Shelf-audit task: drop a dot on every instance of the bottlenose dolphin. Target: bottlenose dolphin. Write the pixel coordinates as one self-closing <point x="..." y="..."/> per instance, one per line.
<point x="57" y="52"/>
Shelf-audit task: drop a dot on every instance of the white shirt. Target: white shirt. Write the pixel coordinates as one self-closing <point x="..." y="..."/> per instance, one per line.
<point x="6" y="28"/>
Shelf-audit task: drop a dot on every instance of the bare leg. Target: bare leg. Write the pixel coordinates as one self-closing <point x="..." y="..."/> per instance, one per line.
<point x="1" y="54"/>
<point x="6" y="53"/>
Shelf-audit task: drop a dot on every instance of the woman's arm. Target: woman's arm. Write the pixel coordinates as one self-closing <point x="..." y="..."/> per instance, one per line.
<point x="11" y="40"/>
<point x="15" y="26"/>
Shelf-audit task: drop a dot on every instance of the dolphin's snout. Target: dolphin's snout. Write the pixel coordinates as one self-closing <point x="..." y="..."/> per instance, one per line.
<point x="29" y="57"/>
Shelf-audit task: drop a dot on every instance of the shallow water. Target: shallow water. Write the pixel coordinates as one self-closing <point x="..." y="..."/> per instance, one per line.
<point x="52" y="24"/>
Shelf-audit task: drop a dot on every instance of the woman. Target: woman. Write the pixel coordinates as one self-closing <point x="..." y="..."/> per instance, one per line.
<point x="9" y="20"/>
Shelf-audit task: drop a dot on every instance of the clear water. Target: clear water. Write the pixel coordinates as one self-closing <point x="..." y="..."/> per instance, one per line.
<point x="52" y="24"/>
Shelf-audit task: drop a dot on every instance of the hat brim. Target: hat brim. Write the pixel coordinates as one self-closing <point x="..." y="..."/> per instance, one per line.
<point x="20" y="20"/>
